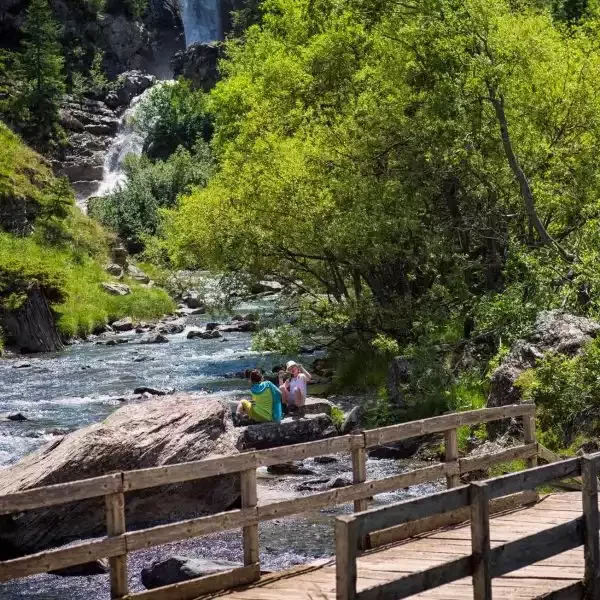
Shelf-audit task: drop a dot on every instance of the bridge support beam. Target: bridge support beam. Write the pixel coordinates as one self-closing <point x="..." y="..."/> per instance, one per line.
<point x="480" y="540"/>
<point x="250" y="532"/>
<point x="591" y="543"/>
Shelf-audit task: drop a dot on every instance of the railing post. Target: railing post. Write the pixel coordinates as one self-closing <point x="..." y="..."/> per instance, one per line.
<point x="250" y="532"/>
<point x="529" y="438"/>
<point x="591" y="544"/>
<point x="480" y="540"/>
<point x="359" y="469"/>
<point x="115" y="525"/>
<point x="346" y="549"/>
<point x="451" y="455"/>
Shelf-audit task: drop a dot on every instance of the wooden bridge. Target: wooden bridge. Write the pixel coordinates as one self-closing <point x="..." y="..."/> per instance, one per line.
<point x="547" y="549"/>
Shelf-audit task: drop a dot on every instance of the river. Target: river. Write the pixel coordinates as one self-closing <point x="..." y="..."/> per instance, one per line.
<point x="86" y="382"/>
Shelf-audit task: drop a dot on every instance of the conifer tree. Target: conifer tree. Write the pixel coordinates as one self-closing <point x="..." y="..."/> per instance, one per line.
<point x="42" y="71"/>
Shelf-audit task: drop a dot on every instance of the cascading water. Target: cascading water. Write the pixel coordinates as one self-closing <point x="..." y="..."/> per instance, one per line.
<point x="201" y="20"/>
<point x="127" y="141"/>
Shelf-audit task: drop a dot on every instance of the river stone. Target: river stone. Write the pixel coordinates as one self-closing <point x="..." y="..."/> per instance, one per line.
<point x="21" y="365"/>
<point x="182" y="568"/>
<point x="352" y="420"/>
<point x="162" y="431"/>
<point x="125" y="324"/>
<point x="239" y="327"/>
<point x="292" y="468"/>
<point x="96" y="567"/>
<point x="17" y="417"/>
<point x="289" y="431"/>
<point x="204" y="335"/>
<point x="171" y="328"/>
<point x="155" y="338"/>
<point x="325" y="460"/>
<point x="317" y="406"/>
<point x="192" y="299"/>
<point x="211" y="326"/>
<point x="116" y="289"/>
<point x="152" y="391"/>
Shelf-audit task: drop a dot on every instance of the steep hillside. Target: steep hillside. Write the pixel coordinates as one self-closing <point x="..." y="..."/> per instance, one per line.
<point x="52" y="259"/>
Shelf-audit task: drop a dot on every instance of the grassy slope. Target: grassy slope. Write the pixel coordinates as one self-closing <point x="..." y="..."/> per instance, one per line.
<point x="72" y="268"/>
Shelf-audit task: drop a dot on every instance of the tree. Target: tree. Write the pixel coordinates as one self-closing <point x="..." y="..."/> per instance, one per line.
<point x="41" y="68"/>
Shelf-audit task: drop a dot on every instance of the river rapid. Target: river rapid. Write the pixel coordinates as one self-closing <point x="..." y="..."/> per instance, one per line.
<point x="82" y="385"/>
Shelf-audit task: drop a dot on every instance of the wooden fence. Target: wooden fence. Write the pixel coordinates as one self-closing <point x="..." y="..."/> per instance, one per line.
<point x="484" y="563"/>
<point x="114" y="487"/>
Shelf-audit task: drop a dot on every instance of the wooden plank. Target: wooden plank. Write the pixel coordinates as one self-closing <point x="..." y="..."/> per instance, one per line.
<point x="273" y="456"/>
<point x="359" y="474"/>
<point x="183" y="530"/>
<point x="188" y="471"/>
<point x="250" y="532"/>
<point x="460" y="515"/>
<point x="480" y="541"/>
<point x="529" y="438"/>
<point x="451" y="455"/>
<point x="477" y="463"/>
<point x="410" y="510"/>
<point x="188" y="590"/>
<point x="51" y="560"/>
<point x="591" y="543"/>
<point x="353" y="492"/>
<point x="346" y="549"/>
<point x="419" y="581"/>
<point x="60" y="493"/>
<point x="533" y="548"/>
<point x="574" y="591"/>
<point x="115" y="526"/>
<point x="393" y="433"/>
<point x="530" y="479"/>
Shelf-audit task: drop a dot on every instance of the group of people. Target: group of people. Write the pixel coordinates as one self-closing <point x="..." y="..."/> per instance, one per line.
<point x="269" y="401"/>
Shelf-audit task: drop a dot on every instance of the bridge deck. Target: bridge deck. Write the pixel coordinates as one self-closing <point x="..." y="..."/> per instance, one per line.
<point x="317" y="581"/>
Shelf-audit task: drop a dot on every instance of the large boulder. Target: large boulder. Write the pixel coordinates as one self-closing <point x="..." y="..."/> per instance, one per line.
<point x="554" y="331"/>
<point x="168" y="430"/>
<point x="199" y="64"/>
<point x="131" y="84"/>
<point x="182" y="568"/>
<point x="289" y="431"/>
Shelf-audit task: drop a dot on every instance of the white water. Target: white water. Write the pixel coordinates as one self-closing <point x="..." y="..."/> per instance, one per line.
<point x="127" y="141"/>
<point x="201" y="20"/>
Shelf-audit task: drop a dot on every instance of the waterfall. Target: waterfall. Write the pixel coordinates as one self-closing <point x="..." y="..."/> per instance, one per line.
<point x="201" y="20"/>
<point x="127" y="141"/>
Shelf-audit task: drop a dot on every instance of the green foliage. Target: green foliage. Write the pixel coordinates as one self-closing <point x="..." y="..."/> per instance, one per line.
<point x="65" y="253"/>
<point x="566" y="391"/>
<point x="284" y="340"/>
<point x="41" y="74"/>
<point x="337" y="417"/>
<point x="132" y="211"/>
<point x="174" y="115"/>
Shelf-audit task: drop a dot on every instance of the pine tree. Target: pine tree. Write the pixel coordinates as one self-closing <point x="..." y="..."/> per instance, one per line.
<point x="42" y="71"/>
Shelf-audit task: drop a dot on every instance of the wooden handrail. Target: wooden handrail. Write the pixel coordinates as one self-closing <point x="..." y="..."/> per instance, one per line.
<point x="114" y="487"/>
<point x="483" y="563"/>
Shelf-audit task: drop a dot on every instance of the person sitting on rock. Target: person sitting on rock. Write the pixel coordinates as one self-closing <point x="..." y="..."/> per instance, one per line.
<point x="265" y="405"/>
<point x="293" y="390"/>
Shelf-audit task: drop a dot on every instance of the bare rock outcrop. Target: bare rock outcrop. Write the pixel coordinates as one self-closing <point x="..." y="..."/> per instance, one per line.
<point x="162" y="431"/>
<point x="554" y="331"/>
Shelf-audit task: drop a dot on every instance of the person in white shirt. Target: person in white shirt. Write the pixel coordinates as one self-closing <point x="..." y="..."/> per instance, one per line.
<point x="293" y="390"/>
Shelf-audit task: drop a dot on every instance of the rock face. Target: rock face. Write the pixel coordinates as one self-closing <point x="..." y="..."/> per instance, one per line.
<point x="90" y="125"/>
<point x="289" y="431"/>
<point x="31" y="327"/>
<point x="164" y="431"/>
<point x="554" y="331"/>
<point x="182" y="568"/>
<point x="198" y="63"/>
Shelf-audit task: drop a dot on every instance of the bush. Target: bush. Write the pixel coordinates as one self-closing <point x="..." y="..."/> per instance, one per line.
<point x="132" y="211"/>
<point x="566" y="392"/>
<point x="174" y="115"/>
<point x="284" y="340"/>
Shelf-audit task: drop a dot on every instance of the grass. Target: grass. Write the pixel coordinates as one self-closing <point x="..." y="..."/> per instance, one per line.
<point x="66" y="253"/>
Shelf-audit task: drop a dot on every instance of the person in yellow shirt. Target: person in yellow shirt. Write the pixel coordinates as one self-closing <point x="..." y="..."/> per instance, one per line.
<point x="265" y="404"/>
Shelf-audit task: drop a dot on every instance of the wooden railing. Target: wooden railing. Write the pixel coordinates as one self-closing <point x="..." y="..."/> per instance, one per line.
<point x="119" y="542"/>
<point x="483" y="563"/>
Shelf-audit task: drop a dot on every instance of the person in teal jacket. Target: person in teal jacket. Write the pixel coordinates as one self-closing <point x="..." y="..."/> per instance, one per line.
<point x="265" y="405"/>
